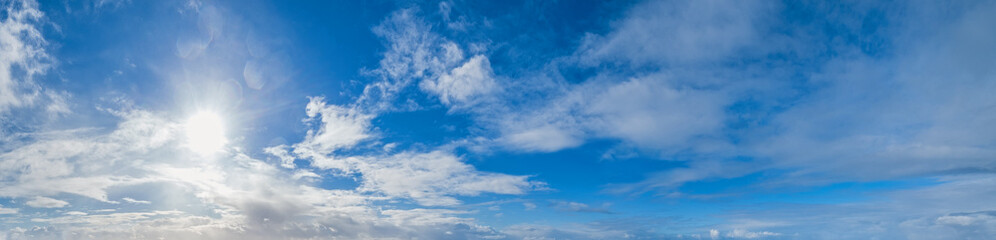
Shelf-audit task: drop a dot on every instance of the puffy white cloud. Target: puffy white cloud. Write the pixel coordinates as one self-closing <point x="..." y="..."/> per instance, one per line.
<point x="461" y="84"/>
<point x="339" y="127"/>
<point x="417" y="54"/>
<point x="429" y="178"/>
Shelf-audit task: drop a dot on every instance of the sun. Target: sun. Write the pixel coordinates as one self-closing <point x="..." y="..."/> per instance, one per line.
<point x="205" y="133"/>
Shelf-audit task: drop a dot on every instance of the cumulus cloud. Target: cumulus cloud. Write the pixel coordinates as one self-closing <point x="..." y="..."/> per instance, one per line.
<point x="339" y="127"/>
<point x="418" y="54"/>
<point x="429" y="178"/>
<point x="463" y="83"/>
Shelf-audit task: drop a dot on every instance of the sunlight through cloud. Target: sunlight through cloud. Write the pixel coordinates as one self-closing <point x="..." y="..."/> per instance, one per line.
<point x="205" y="133"/>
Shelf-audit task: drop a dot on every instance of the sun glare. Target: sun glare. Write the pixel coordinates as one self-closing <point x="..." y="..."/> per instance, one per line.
<point x="205" y="133"/>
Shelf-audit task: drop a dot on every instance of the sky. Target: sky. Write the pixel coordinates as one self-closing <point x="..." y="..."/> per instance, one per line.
<point x="515" y="119"/>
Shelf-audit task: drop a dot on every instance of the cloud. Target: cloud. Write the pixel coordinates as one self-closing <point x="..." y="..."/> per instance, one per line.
<point x="544" y="138"/>
<point x="577" y="207"/>
<point x="23" y="57"/>
<point x="23" y="48"/>
<point x="245" y="197"/>
<point x="740" y="233"/>
<point x="471" y="79"/>
<point x="416" y="54"/>
<point x="901" y="109"/>
<point x="429" y="178"/>
<point x="651" y="112"/>
<point x="4" y="211"/>
<point x="679" y="32"/>
<point x="339" y="128"/>
<point x="716" y="85"/>
<point x="66" y="163"/>
<point x="44" y="202"/>
<point x="913" y="113"/>
<point x="131" y="200"/>
<point x="231" y="194"/>
<point x="286" y="160"/>
<point x="944" y="210"/>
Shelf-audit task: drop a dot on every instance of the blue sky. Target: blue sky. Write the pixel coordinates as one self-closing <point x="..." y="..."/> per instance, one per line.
<point x="497" y="120"/>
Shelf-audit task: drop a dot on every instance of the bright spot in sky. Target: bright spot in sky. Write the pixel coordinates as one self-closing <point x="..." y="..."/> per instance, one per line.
<point x="205" y="133"/>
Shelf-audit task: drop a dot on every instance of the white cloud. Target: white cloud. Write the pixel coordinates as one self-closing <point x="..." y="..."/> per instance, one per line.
<point x="23" y="57"/>
<point x="5" y="211"/>
<point x="461" y="84"/>
<point x="651" y="112"/>
<point x="232" y="195"/>
<point x="286" y="160"/>
<point x="578" y="207"/>
<point x="44" y="202"/>
<point x="21" y="47"/>
<point x="76" y="213"/>
<point x="740" y="233"/>
<point x="679" y="32"/>
<point x="417" y="54"/>
<point x="915" y="113"/>
<point x="339" y="127"/>
<point x="546" y="138"/>
<point x="430" y="178"/>
<point x="246" y="197"/>
<point x="132" y="200"/>
<point x="75" y="163"/>
<point x="529" y="205"/>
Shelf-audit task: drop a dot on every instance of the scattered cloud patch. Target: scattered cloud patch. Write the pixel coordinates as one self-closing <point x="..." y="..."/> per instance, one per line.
<point x="44" y="202"/>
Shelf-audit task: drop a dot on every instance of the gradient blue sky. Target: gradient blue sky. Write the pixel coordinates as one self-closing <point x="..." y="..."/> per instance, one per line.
<point x="497" y="119"/>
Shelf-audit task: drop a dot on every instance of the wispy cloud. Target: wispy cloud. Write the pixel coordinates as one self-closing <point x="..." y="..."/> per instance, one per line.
<point x="44" y="202"/>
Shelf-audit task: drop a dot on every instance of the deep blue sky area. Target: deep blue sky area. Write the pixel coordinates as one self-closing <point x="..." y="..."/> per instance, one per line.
<point x="194" y="119"/>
